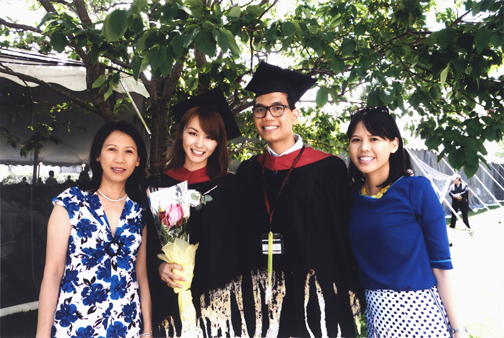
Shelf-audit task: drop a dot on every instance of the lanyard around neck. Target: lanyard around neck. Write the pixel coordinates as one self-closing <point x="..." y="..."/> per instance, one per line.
<point x="266" y="200"/>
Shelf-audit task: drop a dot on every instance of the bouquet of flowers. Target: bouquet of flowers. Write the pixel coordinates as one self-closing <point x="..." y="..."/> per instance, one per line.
<point x="171" y="209"/>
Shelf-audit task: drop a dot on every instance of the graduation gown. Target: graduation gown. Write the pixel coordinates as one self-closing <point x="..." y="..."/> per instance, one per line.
<point x="216" y="264"/>
<point x="316" y="275"/>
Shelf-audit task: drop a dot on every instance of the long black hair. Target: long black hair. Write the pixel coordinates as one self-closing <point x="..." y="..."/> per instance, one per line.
<point x="378" y="121"/>
<point x="133" y="182"/>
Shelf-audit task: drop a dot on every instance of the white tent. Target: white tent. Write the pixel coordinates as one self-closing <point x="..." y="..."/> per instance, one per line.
<point x="67" y="73"/>
<point x="486" y="186"/>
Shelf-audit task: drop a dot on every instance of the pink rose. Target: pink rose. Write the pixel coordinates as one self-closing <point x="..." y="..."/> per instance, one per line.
<point x="173" y="214"/>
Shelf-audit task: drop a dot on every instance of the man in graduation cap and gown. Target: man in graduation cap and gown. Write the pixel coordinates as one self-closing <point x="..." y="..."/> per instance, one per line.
<point x="295" y="203"/>
<point x="216" y="264"/>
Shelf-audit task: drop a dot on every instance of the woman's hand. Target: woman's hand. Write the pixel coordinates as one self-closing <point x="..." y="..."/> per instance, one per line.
<point x="167" y="274"/>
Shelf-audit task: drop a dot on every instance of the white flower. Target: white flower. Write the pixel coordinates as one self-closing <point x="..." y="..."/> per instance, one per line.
<point x="192" y="197"/>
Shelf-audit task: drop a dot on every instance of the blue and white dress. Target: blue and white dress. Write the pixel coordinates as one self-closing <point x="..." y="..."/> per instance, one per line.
<point x="99" y="292"/>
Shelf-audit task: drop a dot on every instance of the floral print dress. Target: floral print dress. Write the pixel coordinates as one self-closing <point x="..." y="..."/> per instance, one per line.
<point x="99" y="292"/>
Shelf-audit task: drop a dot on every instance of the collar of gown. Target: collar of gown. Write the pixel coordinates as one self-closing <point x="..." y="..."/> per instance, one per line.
<point x="182" y="174"/>
<point x="284" y="162"/>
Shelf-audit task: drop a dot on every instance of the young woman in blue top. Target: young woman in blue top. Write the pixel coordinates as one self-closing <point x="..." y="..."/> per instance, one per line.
<point x="398" y="233"/>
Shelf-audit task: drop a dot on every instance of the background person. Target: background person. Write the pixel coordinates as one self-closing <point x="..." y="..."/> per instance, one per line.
<point x="398" y="234"/>
<point x="199" y="156"/>
<point x="51" y="181"/>
<point x="95" y="278"/>
<point x="459" y="192"/>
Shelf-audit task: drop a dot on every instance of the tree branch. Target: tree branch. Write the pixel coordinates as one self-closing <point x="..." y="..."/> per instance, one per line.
<point x="80" y="6"/>
<point x="170" y="85"/>
<point x="118" y="62"/>
<point x="267" y="9"/>
<point x="459" y="19"/>
<point x="18" y="26"/>
<point x="47" y="5"/>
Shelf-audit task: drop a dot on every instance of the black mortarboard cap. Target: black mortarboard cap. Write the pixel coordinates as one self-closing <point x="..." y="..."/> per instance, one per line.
<point x="215" y="100"/>
<point x="271" y="79"/>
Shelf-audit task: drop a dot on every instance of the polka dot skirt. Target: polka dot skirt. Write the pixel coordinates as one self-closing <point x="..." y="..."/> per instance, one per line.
<point x="418" y="314"/>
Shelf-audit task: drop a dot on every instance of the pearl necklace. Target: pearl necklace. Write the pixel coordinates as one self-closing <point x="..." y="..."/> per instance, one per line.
<point x="110" y="199"/>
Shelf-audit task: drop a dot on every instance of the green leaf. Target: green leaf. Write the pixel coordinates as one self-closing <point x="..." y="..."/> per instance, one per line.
<point x="217" y="9"/>
<point x="170" y="11"/>
<point x="178" y="46"/>
<point x="433" y="142"/>
<point x="333" y="93"/>
<point x="447" y="37"/>
<point x="254" y="10"/>
<point x="166" y="67"/>
<point x="435" y="92"/>
<point x="289" y="28"/>
<point x="157" y="55"/>
<point x="59" y="42"/>
<point x="99" y="82"/>
<point x="234" y="13"/>
<point x="47" y="16"/>
<point x="360" y="29"/>
<point x="235" y="49"/>
<point x="470" y="169"/>
<point x="497" y="39"/>
<point x="432" y="39"/>
<point x="67" y="24"/>
<point x="415" y="99"/>
<point x="95" y="54"/>
<point x="315" y="43"/>
<point x="189" y="37"/>
<point x="348" y="46"/>
<point x="222" y="40"/>
<point x="454" y="159"/>
<point x="486" y="5"/>
<point x="444" y="75"/>
<point x="482" y="40"/>
<point x="136" y="63"/>
<point x="137" y="25"/>
<point x="141" y="4"/>
<point x="490" y="132"/>
<point x="115" y="25"/>
<point x="322" y="97"/>
<point x="109" y="92"/>
<point x="197" y="7"/>
<point x="141" y="41"/>
<point x="386" y="97"/>
<point x="206" y="43"/>
<point x="329" y="51"/>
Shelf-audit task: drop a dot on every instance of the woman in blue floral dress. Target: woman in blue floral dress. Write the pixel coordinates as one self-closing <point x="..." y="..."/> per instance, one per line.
<point x="95" y="281"/>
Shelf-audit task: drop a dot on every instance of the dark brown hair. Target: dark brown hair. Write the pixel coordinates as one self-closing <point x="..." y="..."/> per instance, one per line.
<point x="212" y="124"/>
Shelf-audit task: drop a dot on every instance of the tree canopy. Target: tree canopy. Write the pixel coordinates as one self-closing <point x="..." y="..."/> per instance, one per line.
<point x="362" y="52"/>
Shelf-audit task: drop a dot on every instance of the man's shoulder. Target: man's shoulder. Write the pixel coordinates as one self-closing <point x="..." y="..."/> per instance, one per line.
<point x="318" y="157"/>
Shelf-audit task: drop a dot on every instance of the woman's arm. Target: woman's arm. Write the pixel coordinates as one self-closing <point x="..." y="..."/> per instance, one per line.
<point x="143" y="283"/>
<point x="58" y="233"/>
<point x="447" y="292"/>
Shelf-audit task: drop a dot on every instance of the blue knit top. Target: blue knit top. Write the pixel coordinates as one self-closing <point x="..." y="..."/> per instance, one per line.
<point x="399" y="238"/>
